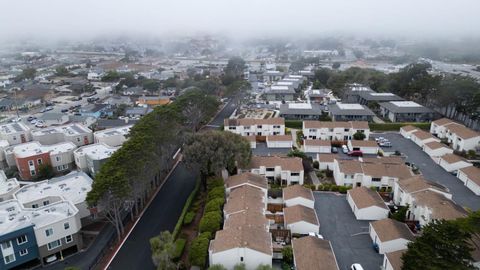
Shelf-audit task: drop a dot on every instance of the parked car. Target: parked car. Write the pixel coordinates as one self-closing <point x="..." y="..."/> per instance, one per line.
<point x="344" y="149"/>
<point x="39" y="124"/>
<point x="46" y="109"/>
<point x="385" y="144"/>
<point x="356" y="266"/>
<point x="334" y="150"/>
<point x="355" y="153"/>
<point x="64" y="110"/>
<point x="30" y="118"/>
<point x="34" y="121"/>
<point x="314" y="234"/>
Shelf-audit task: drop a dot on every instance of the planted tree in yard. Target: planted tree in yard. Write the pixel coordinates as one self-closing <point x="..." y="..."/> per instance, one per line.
<point x="287" y="254"/>
<point x="442" y="245"/>
<point x="212" y="151"/>
<point x="359" y="136"/>
<point x="199" y="250"/>
<point x="45" y="171"/>
<point x="196" y="108"/>
<point x="163" y="249"/>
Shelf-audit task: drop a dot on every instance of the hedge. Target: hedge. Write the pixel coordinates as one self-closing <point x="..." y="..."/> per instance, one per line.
<point x="216" y="193"/>
<point x="179" y="247"/>
<point x="296" y="124"/>
<point x="189" y="217"/>
<point x="214" y="182"/>
<point x="396" y="126"/>
<point x="189" y="201"/>
<point x="214" y="205"/>
<point x="199" y="250"/>
<point x="211" y="222"/>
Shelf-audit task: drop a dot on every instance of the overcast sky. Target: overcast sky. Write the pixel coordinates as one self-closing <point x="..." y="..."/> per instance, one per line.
<point x="54" y="19"/>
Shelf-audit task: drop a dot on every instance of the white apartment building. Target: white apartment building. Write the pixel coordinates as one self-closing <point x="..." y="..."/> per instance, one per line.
<point x="421" y="137"/>
<point x="435" y="149"/>
<point x="390" y="235"/>
<point x="298" y="195"/>
<point x="90" y="158"/>
<point x="300" y="219"/>
<point x="452" y="162"/>
<point x="255" y="127"/>
<point x="15" y="133"/>
<point x="289" y="170"/>
<point x="7" y="187"/>
<point x="72" y="187"/>
<point x="279" y="141"/>
<point x="428" y="206"/>
<point x="470" y="176"/>
<point x="334" y="131"/>
<point x="406" y="131"/>
<point x="459" y="136"/>
<point x="405" y="189"/>
<point x="381" y="173"/>
<point x="3" y="145"/>
<point x="75" y="133"/>
<point x="366" y="146"/>
<point x="112" y="136"/>
<point x="367" y="204"/>
<point x="317" y="146"/>
<point x="55" y="227"/>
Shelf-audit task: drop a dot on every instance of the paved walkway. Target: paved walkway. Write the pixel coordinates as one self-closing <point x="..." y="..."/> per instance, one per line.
<point x="315" y="179"/>
<point x="294" y="138"/>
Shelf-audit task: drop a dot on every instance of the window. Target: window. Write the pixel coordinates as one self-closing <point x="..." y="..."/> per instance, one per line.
<point x="54" y="244"/>
<point x="270" y="169"/>
<point x="14" y="138"/>
<point x="376" y="179"/>
<point x="78" y="139"/>
<point x="22" y="239"/>
<point x="39" y="161"/>
<point x="68" y="238"/>
<point x="232" y="128"/>
<point x="6" y="244"/>
<point x="47" y="202"/>
<point x="10" y="258"/>
<point x="30" y="163"/>
<point x="33" y="172"/>
<point x="259" y="126"/>
<point x="62" y="167"/>
<point x="23" y="252"/>
<point x="346" y="130"/>
<point x="66" y="225"/>
<point x="312" y="130"/>
<point x="58" y="158"/>
<point x="35" y="205"/>
<point x="48" y="232"/>
<point x="241" y="259"/>
<point x="295" y="174"/>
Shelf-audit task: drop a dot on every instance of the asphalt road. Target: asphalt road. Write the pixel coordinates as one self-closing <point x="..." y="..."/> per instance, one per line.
<point x="229" y="108"/>
<point x="432" y="171"/>
<point x="348" y="236"/>
<point x="161" y="215"/>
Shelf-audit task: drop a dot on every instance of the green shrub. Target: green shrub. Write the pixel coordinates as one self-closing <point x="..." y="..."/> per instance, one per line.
<point x="179" y="247"/>
<point x="214" y="182"/>
<point x="316" y="164"/>
<point x="189" y="201"/>
<point x="217" y="267"/>
<point x="211" y="222"/>
<point x="287" y="254"/>
<point x="188" y="217"/>
<point x="334" y="188"/>
<point x="216" y="193"/>
<point x="199" y="250"/>
<point x="396" y="126"/>
<point x="214" y="205"/>
<point x="296" y="124"/>
<point x="343" y="189"/>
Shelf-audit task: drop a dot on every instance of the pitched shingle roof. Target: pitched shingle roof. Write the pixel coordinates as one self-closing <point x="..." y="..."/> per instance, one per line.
<point x="253" y="122"/>
<point x="317" y="142"/>
<point x="287" y="163"/>
<point x="295" y="191"/>
<point x="364" y="197"/>
<point x="395" y="259"/>
<point x="452" y="158"/>
<point x="418" y="183"/>
<point x="473" y="173"/>
<point x="246" y="178"/>
<point x="362" y="143"/>
<point x="441" y="207"/>
<point x="298" y="213"/>
<point x="242" y="237"/>
<point x="312" y="253"/>
<point x="436" y="145"/>
<point x="442" y="121"/>
<point x="389" y="229"/>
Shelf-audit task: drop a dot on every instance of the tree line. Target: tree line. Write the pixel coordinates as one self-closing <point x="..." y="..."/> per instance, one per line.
<point x="449" y="93"/>
<point x="124" y="181"/>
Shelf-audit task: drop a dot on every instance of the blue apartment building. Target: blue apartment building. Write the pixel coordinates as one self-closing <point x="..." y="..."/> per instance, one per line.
<point x="18" y="247"/>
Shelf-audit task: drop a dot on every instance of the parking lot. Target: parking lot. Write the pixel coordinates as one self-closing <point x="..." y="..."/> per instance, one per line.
<point x="432" y="171"/>
<point x="349" y="237"/>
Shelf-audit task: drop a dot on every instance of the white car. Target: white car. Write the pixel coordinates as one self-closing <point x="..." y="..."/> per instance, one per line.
<point x="344" y="149"/>
<point x="39" y="124"/>
<point x="34" y="121"/>
<point x="356" y="266"/>
<point x="314" y="234"/>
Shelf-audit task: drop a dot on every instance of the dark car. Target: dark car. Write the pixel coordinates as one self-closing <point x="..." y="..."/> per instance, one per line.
<point x="64" y="110"/>
<point x="30" y="118"/>
<point x="355" y="153"/>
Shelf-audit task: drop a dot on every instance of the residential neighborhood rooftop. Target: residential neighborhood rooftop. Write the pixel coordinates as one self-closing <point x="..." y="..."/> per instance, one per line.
<point x="246" y="178"/>
<point x="34" y="148"/>
<point x="11" y="128"/>
<point x="295" y="191"/>
<point x="242" y="237"/>
<point x="313" y="253"/>
<point x="294" y="164"/>
<point x="419" y="183"/>
<point x="73" y="187"/>
<point x="97" y="151"/>
<point x="395" y="258"/>
<point x="123" y="130"/>
<point x="440" y="206"/>
<point x="299" y="213"/>
<point x="405" y="107"/>
<point x="390" y="229"/>
<point x="336" y="124"/>
<point x="252" y="121"/>
<point x="7" y="185"/>
<point x="365" y="197"/>
<point x="68" y="130"/>
<point x="473" y="173"/>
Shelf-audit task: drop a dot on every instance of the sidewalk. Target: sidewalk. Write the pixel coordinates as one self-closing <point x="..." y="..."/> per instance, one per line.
<point x="315" y="179"/>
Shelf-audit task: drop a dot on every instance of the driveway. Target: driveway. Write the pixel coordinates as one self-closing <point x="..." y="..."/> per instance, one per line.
<point x="349" y="237"/>
<point x="263" y="150"/>
<point x="161" y="215"/>
<point x="432" y="171"/>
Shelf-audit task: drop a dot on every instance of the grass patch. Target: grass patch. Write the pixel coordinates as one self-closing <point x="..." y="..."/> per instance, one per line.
<point x="396" y="126"/>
